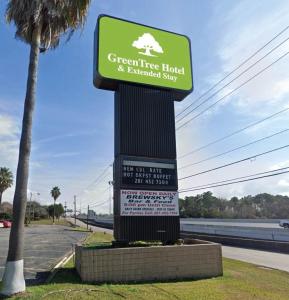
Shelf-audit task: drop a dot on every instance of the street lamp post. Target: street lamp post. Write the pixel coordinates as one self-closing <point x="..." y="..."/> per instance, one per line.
<point x="29" y="211"/>
<point x="29" y="208"/>
<point x="110" y="185"/>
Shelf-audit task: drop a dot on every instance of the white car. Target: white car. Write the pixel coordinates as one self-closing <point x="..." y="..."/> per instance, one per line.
<point x="284" y="223"/>
<point x="1" y="225"/>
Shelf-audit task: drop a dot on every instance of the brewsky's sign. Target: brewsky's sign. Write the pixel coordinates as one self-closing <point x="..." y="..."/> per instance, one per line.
<point x="149" y="203"/>
<point x="134" y="53"/>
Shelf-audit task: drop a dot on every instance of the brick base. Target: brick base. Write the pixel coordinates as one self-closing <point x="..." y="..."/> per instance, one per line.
<point x="195" y="259"/>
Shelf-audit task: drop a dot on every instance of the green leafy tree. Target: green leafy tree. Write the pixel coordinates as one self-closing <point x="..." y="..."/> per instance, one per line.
<point x="6" y="180"/>
<point x="248" y="207"/>
<point x="6" y="211"/>
<point x="35" y="211"/>
<point x="55" y="193"/>
<point x="40" y="24"/>
<point x="57" y="210"/>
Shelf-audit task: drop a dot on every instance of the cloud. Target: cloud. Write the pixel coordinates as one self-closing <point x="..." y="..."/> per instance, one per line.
<point x="66" y="135"/>
<point x="65" y="154"/>
<point x="240" y="29"/>
<point x="281" y="89"/>
<point x="283" y="183"/>
<point x="9" y="147"/>
<point x="10" y="106"/>
<point x="279" y="165"/>
<point x="96" y="194"/>
<point x="242" y="37"/>
<point x="9" y="141"/>
<point x="8" y="126"/>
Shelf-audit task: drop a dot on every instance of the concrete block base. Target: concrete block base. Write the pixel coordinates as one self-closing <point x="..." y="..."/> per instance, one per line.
<point x="195" y="259"/>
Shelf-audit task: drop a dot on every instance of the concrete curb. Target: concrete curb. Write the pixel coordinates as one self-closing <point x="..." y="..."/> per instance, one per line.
<point x="248" y="243"/>
<point x="63" y="261"/>
<point x="58" y="266"/>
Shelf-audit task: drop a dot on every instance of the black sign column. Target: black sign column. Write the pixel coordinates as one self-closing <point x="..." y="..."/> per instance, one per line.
<point x="145" y="160"/>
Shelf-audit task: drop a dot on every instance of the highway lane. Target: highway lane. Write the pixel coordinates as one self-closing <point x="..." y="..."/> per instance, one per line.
<point x="266" y="229"/>
<point x="233" y="224"/>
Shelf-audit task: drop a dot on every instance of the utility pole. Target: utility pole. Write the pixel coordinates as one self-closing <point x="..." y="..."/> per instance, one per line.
<point x="87" y="217"/>
<point x="74" y="210"/>
<point x="29" y="211"/>
<point x="65" y="209"/>
<point x="110" y="183"/>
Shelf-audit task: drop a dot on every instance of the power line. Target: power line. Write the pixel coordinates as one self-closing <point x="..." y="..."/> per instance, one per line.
<point x="234" y="133"/>
<point x="100" y="176"/>
<point x="236" y="178"/>
<point x="236" y="162"/>
<point x="234" y="79"/>
<point x="100" y="204"/>
<point x="230" y="93"/>
<point x="102" y="193"/>
<point x="238" y="67"/>
<point x="96" y="181"/>
<point x="234" y="182"/>
<point x="235" y="149"/>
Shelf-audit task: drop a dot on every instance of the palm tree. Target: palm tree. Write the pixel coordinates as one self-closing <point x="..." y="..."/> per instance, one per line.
<point x="40" y="24"/>
<point x="6" y="180"/>
<point x="55" y="193"/>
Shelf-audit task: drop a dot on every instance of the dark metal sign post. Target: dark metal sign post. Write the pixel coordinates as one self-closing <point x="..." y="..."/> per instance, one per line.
<point x="145" y="166"/>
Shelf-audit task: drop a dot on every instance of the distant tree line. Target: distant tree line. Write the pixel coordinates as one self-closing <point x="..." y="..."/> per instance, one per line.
<point x="5" y="211"/>
<point x="207" y="205"/>
<point x="34" y="211"/>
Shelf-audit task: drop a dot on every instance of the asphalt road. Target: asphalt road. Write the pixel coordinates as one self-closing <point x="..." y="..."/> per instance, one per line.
<point x="45" y="246"/>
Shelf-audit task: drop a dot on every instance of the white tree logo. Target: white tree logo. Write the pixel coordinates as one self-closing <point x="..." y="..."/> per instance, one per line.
<point x="147" y="42"/>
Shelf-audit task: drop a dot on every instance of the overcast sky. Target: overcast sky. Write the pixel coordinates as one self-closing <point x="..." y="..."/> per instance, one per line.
<point x="73" y="121"/>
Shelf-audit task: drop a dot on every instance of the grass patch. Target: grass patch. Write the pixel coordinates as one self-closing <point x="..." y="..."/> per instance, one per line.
<point x="103" y="240"/>
<point x="98" y="240"/>
<point x="241" y="281"/>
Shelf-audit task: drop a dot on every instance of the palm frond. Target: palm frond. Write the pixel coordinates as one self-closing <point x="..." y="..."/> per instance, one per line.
<point x="6" y="179"/>
<point x="55" y="192"/>
<point x="56" y="18"/>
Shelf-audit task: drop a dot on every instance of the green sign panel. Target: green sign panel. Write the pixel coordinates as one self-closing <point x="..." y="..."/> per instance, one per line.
<point x="134" y="53"/>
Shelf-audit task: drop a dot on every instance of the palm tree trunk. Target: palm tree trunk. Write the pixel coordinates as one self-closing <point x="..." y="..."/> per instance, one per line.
<point x="0" y="198"/>
<point x="13" y="280"/>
